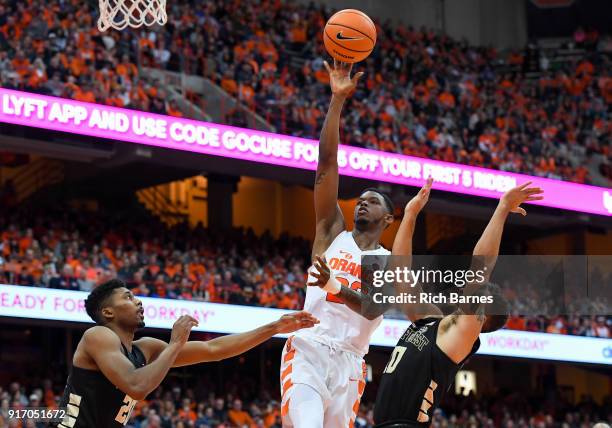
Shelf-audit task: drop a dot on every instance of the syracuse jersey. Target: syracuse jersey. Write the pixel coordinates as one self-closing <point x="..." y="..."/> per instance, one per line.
<point x="339" y="326"/>
<point x="322" y="373"/>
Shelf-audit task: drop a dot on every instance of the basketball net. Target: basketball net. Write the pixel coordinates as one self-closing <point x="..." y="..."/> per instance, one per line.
<point x="119" y="14"/>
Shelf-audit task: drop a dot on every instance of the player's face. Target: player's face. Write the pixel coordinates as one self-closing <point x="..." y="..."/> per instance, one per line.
<point x="127" y="309"/>
<point x="370" y="209"/>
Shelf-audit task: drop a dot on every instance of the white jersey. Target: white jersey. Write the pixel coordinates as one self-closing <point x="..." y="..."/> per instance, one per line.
<point x="339" y="326"/>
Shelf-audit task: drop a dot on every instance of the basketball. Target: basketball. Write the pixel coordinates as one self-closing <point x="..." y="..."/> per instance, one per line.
<point x="349" y="36"/>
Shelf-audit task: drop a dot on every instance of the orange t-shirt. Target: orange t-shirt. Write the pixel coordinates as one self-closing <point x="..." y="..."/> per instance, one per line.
<point x="189" y="415"/>
<point x="447" y="99"/>
<point x="21" y="66"/>
<point x="298" y="34"/>
<point x="239" y="417"/>
<point x="87" y="97"/>
<point x="516" y="323"/>
<point x="229" y="85"/>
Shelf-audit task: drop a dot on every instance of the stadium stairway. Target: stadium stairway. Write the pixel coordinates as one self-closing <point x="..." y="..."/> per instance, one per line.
<point x="183" y="87"/>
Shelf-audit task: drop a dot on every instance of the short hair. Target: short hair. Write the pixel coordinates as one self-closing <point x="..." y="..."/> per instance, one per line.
<point x="98" y="298"/>
<point x="388" y="202"/>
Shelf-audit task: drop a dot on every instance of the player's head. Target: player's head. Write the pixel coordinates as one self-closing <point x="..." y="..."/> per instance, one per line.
<point x="374" y="210"/>
<point x="112" y="302"/>
<point x="497" y="312"/>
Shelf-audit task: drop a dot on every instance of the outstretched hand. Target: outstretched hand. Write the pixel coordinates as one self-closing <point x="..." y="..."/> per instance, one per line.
<point x="182" y="328"/>
<point x="289" y="323"/>
<point x="340" y="80"/>
<point x="416" y="204"/>
<point x="513" y="198"/>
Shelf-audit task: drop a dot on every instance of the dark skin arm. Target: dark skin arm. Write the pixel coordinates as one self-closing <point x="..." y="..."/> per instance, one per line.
<point x="103" y="346"/>
<point x="329" y="218"/>
<point x="223" y="347"/>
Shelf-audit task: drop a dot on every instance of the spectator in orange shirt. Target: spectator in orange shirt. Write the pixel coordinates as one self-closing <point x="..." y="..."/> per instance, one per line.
<point x="283" y="300"/>
<point x="246" y="94"/>
<point x="239" y="417"/>
<point x="21" y="64"/>
<point x="173" y="109"/>
<point x="85" y="94"/>
<point x="557" y="326"/>
<point x="447" y="99"/>
<point x="272" y="416"/>
<point x="25" y="241"/>
<point x="186" y="411"/>
<point x="516" y="322"/>
<point x="126" y="69"/>
<point x="229" y="84"/>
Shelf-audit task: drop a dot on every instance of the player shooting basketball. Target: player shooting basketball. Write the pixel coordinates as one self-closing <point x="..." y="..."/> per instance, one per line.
<point x="111" y="371"/>
<point x="322" y="371"/>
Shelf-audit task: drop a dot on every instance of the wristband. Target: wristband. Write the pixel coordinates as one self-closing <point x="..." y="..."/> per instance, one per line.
<point x="332" y="286"/>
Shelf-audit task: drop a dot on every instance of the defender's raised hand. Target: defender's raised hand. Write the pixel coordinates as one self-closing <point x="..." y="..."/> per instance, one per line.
<point x="416" y="204"/>
<point x="340" y="80"/>
<point x="289" y="323"/>
<point x="513" y="198"/>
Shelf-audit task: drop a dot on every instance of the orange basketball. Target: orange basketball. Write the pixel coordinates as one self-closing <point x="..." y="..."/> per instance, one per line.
<point x="349" y="35"/>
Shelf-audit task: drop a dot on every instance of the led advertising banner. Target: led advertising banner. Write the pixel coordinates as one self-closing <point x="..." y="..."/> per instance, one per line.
<point x="132" y="126"/>
<point x="64" y="305"/>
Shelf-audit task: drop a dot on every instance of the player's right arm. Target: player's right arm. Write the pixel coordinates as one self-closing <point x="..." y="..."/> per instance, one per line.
<point x="459" y="332"/>
<point x="329" y="219"/>
<point x="104" y="347"/>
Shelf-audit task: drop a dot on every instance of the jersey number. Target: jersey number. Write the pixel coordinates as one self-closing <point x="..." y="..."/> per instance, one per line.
<point x="396" y="356"/>
<point x="125" y="410"/>
<point x="356" y="285"/>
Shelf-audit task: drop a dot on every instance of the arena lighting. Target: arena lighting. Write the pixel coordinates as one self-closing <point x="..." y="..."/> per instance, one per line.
<point x="65" y="305"/>
<point x="59" y="114"/>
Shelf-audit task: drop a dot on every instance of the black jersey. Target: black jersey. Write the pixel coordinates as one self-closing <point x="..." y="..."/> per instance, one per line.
<point x="416" y="377"/>
<point x="93" y="401"/>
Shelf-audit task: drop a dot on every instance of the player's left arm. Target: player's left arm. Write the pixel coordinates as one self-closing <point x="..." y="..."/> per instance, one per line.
<point x="220" y="348"/>
<point x="402" y="246"/>
<point x="466" y="328"/>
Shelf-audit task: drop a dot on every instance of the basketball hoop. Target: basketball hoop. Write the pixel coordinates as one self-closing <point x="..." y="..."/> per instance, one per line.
<point x="119" y="14"/>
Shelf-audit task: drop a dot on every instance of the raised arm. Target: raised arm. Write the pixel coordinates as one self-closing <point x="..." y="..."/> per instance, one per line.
<point x="104" y="347"/>
<point x="329" y="219"/>
<point x="402" y="246"/>
<point x="459" y="332"/>
<point x="487" y="248"/>
<point x="220" y="348"/>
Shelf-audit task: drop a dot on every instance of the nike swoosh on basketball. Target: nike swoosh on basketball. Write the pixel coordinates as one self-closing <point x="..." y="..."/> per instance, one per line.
<point x="339" y="36"/>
